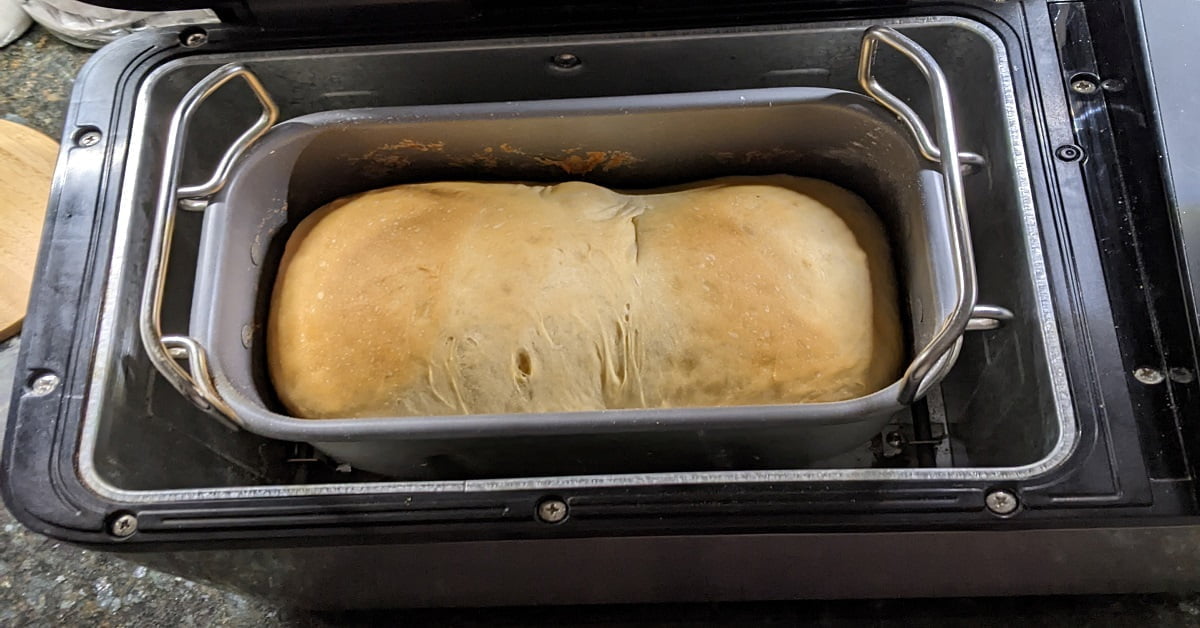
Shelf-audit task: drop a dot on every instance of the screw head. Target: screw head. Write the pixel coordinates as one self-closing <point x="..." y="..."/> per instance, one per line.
<point x="1001" y="502"/>
<point x="552" y="510"/>
<point x="88" y="138"/>
<point x="44" y="384"/>
<point x="193" y="38"/>
<point x="1084" y="86"/>
<point x="124" y="525"/>
<point x="1149" y="376"/>
<point x="1068" y="152"/>
<point x="566" y="60"/>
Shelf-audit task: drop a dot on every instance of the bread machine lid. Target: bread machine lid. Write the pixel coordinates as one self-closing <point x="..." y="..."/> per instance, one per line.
<point x="334" y="15"/>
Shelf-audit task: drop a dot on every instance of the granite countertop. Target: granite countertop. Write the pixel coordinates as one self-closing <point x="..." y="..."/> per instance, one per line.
<point x="36" y="73"/>
<point x="43" y="582"/>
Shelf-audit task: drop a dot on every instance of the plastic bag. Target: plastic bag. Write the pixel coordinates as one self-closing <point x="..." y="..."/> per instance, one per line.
<point x="92" y="27"/>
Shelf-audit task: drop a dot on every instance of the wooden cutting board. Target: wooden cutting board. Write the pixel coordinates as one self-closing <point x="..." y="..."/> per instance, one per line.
<point x="26" y="169"/>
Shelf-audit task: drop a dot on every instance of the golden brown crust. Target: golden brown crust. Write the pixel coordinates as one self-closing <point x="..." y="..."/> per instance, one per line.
<point x="448" y="298"/>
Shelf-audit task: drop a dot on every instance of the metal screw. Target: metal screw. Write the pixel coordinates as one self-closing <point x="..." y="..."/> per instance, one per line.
<point x="1068" y="152"/>
<point x="124" y="526"/>
<point x="1148" y="376"/>
<point x="194" y="38"/>
<point x="1112" y="85"/>
<point x="1084" y="86"/>
<point x="895" y="439"/>
<point x="566" y="60"/>
<point x="1180" y="375"/>
<point x="1001" y="502"/>
<point x="45" y="384"/>
<point x="552" y="510"/>
<point x="88" y="138"/>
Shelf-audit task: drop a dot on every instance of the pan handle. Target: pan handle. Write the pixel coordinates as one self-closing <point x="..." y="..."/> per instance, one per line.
<point x="196" y="381"/>
<point x="934" y="360"/>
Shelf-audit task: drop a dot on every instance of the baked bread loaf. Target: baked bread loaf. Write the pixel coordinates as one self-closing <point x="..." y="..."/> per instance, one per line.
<point x="449" y="298"/>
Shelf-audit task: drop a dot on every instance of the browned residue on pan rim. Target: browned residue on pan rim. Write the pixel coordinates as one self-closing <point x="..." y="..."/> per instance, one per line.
<point x="390" y="154"/>
<point x="576" y="162"/>
<point x="572" y="161"/>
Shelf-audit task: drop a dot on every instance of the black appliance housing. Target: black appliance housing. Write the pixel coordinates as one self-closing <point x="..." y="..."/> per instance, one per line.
<point x="1102" y="96"/>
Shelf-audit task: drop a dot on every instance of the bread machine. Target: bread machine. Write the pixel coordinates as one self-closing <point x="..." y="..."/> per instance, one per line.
<point x="1028" y="158"/>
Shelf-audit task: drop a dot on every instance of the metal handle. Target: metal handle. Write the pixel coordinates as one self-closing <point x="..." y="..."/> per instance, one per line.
<point x="164" y="351"/>
<point x="988" y="317"/>
<point x="932" y="361"/>
<point x="925" y="144"/>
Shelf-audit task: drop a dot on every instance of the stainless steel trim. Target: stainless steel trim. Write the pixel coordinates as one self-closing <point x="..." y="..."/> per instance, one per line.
<point x="1064" y="445"/>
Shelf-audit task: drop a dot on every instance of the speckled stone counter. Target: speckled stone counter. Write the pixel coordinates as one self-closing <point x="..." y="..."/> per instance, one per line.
<point x="43" y="582"/>
<point x="36" y="73"/>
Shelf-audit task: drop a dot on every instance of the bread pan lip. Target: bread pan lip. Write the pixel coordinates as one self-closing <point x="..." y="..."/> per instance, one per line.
<point x="623" y="421"/>
<point x="1067" y="438"/>
<point x="261" y="420"/>
<point x="590" y="105"/>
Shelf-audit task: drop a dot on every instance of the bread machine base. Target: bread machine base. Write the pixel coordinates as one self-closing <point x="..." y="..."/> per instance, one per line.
<point x="112" y="457"/>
